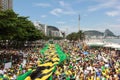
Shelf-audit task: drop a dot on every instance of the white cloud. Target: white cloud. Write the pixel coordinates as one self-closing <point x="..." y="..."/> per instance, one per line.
<point x="59" y="11"/>
<point x="43" y="4"/>
<point x="43" y="16"/>
<point x="63" y="4"/>
<point x="65" y="9"/>
<point x="100" y="6"/>
<point x="113" y="5"/>
<point x="113" y="13"/>
<point x="56" y="11"/>
<point x="104" y="4"/>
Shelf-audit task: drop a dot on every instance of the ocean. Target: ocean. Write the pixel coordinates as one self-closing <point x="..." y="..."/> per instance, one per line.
<point x="112" y="40"/>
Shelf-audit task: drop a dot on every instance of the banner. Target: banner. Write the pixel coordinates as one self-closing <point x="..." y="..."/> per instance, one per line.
<point x="8" y="65"/>
<point x="53" y="56"/>
<point x="61" y="54"/>
<point x="44" y="49"/>
<point x="23" y="76"/>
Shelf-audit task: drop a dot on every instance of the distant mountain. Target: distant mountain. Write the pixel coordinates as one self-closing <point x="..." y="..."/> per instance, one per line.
<point x="98" y="33"/>
<point x="108" y="33"/>
<point x="93" y="33"/>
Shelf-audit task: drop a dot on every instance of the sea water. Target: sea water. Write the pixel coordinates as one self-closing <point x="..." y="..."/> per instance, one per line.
<point x="112" y="40"/>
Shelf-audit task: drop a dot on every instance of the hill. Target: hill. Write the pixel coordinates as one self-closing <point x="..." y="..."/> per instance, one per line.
<point x="93" y="33"/>
<point x="106" y="33"/>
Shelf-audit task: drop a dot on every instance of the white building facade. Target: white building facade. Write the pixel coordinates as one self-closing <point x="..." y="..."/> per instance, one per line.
<point x="48" y="30"/>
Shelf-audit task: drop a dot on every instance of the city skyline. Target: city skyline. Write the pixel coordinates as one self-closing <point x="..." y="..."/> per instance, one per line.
<point x="94" y="14"/>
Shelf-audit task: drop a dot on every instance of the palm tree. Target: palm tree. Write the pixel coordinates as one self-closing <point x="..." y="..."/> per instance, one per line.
<point x="80" y="35"/>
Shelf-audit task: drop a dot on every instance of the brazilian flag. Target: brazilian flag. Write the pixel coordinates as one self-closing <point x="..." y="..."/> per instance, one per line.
<point x="44" y="71"/>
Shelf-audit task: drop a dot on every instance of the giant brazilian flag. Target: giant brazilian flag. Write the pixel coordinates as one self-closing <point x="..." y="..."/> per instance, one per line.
<point x="53" y="56"/>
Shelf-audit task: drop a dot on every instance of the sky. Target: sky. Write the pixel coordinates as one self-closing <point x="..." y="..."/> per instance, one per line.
<point x="64" y="14"/>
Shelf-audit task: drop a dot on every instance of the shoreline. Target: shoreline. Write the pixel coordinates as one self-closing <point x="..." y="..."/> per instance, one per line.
<point x="103" y="43"/>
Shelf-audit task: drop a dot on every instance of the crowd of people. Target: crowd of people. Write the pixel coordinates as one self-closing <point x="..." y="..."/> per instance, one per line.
<point x="82" y="62"/>
<point x="92" y="64"/>
<point x="22" y="61"/>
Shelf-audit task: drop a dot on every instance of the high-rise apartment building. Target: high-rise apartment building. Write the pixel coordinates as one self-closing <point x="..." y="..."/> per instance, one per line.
<point x="0" y="4"/>
<point x="5" y="4"/>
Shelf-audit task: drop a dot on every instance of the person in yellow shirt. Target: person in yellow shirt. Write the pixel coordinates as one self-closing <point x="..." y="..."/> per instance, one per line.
<point x="57" y="72"/>
<point x="98" y="78"/>
<point x="68" y="72"/>
<point x="81" y="76"/>
<point x="38" y="62"/>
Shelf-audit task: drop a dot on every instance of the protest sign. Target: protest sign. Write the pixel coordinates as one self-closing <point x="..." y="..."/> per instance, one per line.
<point x="8" y="65"/>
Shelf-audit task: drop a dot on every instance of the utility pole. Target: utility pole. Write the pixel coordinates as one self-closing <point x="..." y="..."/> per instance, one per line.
<point x="66" y="31"/>
<point x="79" y="22"/>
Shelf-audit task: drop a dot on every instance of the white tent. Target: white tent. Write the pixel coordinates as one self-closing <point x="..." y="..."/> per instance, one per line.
<point x="108" y="45"/>
<point x="95" y="44"/>
<point x="116" y="46"/>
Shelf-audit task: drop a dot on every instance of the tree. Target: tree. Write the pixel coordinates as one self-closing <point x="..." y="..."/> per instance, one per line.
<point x="76" y="36"/>
<point x="7" y="24"/>
<point x="17" y="29"/>
<point x="80" y="35"/>
<point x="72" y="36"/>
